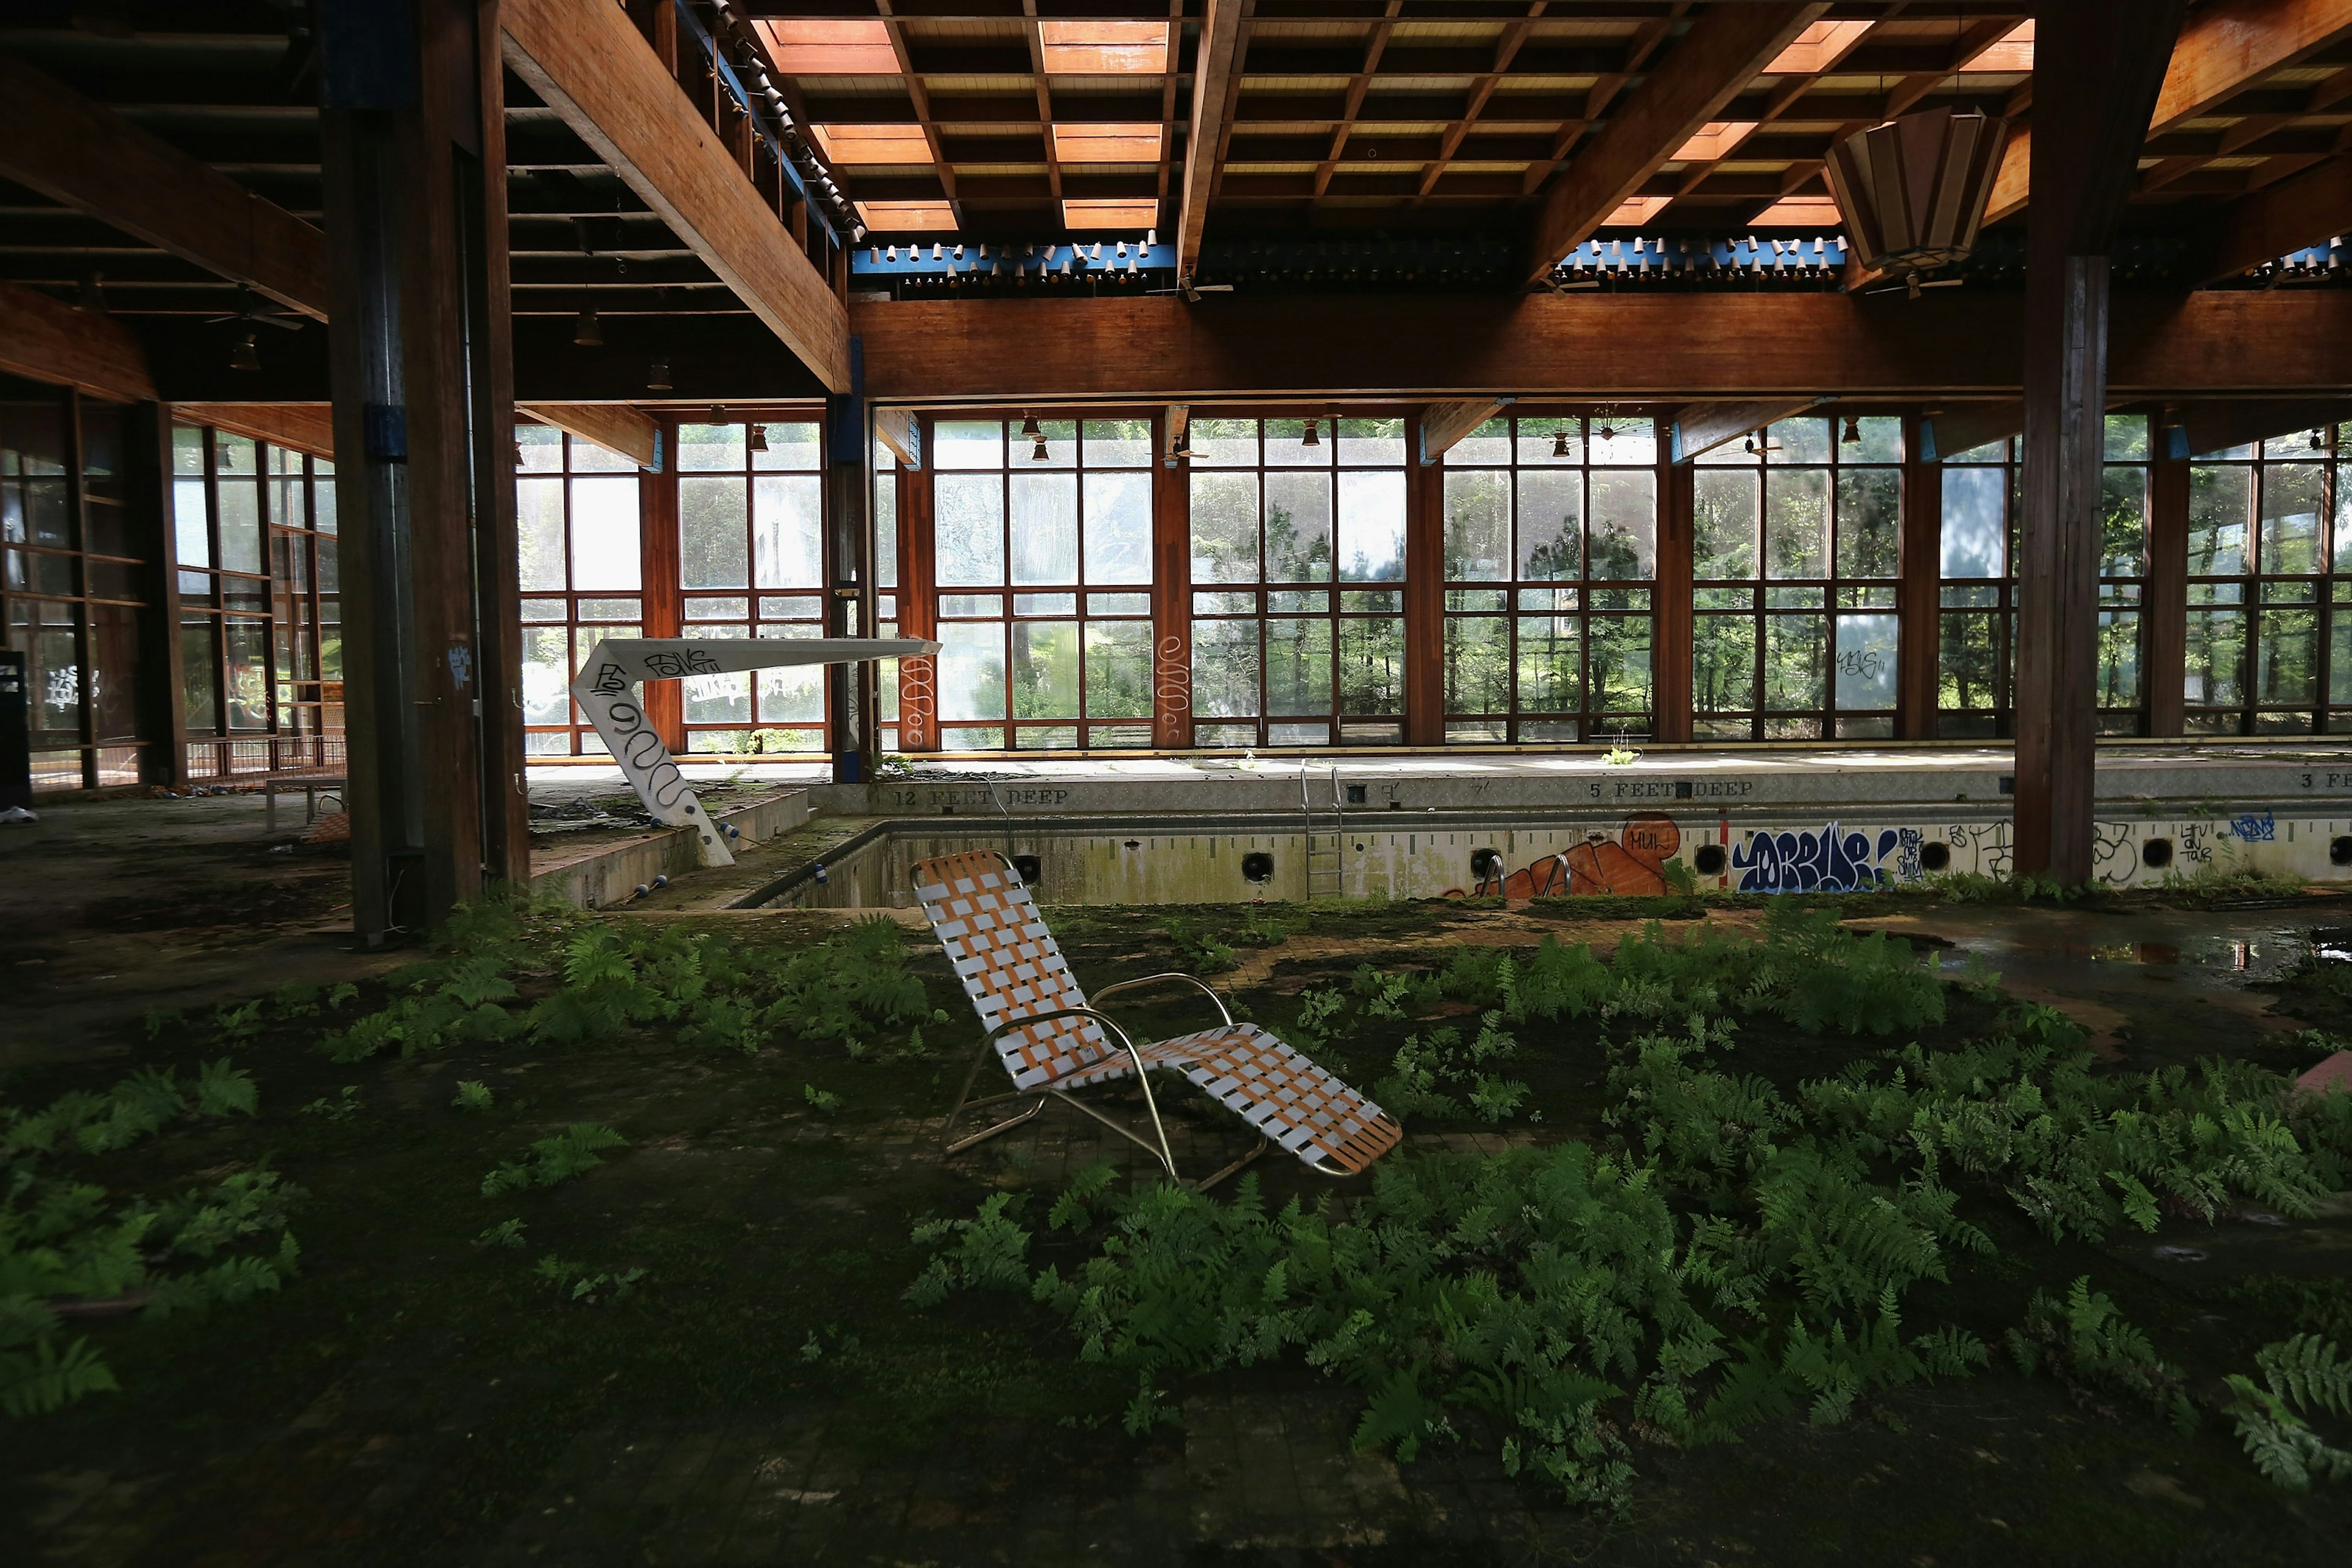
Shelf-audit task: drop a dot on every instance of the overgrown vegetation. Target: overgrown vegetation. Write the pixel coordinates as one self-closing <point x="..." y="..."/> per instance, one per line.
<point x="1732" y="1251"/>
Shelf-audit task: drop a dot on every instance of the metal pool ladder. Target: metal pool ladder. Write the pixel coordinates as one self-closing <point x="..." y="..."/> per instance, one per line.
<point x="1326" y="867"/>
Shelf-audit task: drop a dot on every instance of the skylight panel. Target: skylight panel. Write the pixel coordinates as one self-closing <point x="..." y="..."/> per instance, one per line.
<point x="1800" y="212"/>
<point x="1104" y="48"/>
<point x="1817" y="48"/>
<point x="1635" y="211"/>
<point x="1714" y="141"/>
<point x="830" y="47"/>
<point x="1110" y="213"/>
<point x="906" y="217"/>
<point x="1107" y="144"/>
<point x="855" y="145"/>
<point x="2013" y="52"/>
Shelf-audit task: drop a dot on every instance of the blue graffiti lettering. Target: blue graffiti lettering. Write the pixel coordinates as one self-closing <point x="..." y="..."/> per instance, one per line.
<point x="2254" y="829"/>
<point x="1829" y="861"/>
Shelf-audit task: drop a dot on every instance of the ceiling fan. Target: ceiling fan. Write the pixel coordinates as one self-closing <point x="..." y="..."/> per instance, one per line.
<point x="1192" y="292"/>
<point x="1912" y="283"/>
<point x="253" y="310"/>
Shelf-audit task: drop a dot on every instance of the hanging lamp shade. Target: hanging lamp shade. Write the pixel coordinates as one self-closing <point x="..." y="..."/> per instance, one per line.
<point x="1914" y="190"/>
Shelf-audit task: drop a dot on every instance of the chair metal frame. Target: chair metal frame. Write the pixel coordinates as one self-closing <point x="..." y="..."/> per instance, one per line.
<point x="1045" y="1094"/>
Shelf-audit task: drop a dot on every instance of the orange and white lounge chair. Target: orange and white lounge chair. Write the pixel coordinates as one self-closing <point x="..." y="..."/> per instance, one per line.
<point x="1052" y="1042"/>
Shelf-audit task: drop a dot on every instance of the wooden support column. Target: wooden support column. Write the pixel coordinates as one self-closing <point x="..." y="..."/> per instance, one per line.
<point x="414" y="176"/>
<point x="2087" y="142"/>
<point x="1424" y="589"/>
<point x="2164" y="608"/>
<point x="659" y="576"/>
<point x="849" y="575"/>
<point x="1918" y="597"/>
<point x="1672" y="626"/>
<point x="918" y="607"/>
<point x="147" y="517"/>
<point x="1171" y="589"/>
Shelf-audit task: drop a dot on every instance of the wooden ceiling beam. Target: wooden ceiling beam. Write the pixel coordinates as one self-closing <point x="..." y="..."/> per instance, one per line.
<point x="919" y="94"/>
<point x="591" y="66"/>
<point x="2305" y="210"/>
<point x="1704" y="426"/>
<point x="42" y="339"/>
<point x="1215" y="81"/>
<point x="1665" y="348"/>
<point x="2224" y="47"/>
<point x="1720" y="54"/>
<point x="1948" y="432"/>
<point x="1481" y="90"/>
<point x="1357" y="84"/>
<point x="304" y="426"/>
<point x="1646" y="42"/>
<point x="1444" y="425"/>
<point x="85" y="155"/>
<point x="2216" y="426"/>
<point x="616" y="427"/>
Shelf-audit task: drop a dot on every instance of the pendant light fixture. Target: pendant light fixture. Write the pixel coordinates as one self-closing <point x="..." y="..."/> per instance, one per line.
<point x="1038" y="453"/>
<point x="1914" y="190"/>
<point x="1853" y="437"/>
<point x="657" y="376"/>
<point x="1560" y="442"/>
<point x="245" y="357"/>
<point x="718" y="414"/>
<point x="1311" y="438"/>
<point x="585" y="331"/>
<point x="1029" y="427"/>
<point x="759" y="441"/>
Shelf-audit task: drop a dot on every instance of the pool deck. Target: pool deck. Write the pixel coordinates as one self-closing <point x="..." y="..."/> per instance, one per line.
<point x="2313" y="777"/>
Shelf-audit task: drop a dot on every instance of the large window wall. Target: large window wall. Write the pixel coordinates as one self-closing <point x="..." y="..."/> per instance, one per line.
<point x="751" y="512"/>
<point x="1978" y="593"/>
<point x="2268" y="651"/>
<point x="1298" y="565"/>
<point x="1796" y="536"/>
<point x="1042" y="563"/>
<point x="1551" y="559"/>
<point x="579" y="530"/>
<point x="261" y="626"/>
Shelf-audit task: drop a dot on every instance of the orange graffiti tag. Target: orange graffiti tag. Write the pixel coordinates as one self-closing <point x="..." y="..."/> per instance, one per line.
<point x="1631" y="865"/>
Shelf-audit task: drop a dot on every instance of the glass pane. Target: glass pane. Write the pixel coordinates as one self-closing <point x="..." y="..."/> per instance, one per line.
<point x="1550" y="673"/>
<point x="1045" y="669"/>
<point x="1371" y="546"/>
<point x="1223" y="442"/>
<point x="1722" y="519"/>
<point x="190" y="532"/>
<point x="2118" y="658"/>
<point x="541" y="447"/>
<point x="199" y="682"/>
<point x="2290" y="503"/>
<point x="1297" y="528"/>
<point x="2287" y="659"/>
<point x="1967" y="662"/>
<point x="538" y="523"/>
<point x="2123" y="528"/>
<point x="794" y="694"/>
<point x="1869" y="521"/>
<point x="1371" y="443"/>
<point x="1723" y="664"/>
<point x="792" y="444"/>
<point x="1286" y="445"/>
<point x="1540" y="441"/>
<point x="1118" y="527"/>
<point x="605" y="534"/>
<point x="1625" y="530"/>
<point x="1487" y="445"/>
<point x="1119" y="669"/>
<point x="699" y="447"/>
<point x="1798" y="441"/>
<point x="724" y="698"/>
<point x="970" y="529"/>
<point x="1478" y="664"/>
<point x="1119" y="443"/>
<point x="1793" y="646"/>
<point x="1224" y="528"/>
<point x="1882" y="441"/>
<point x="1371" y="664"/>
<point x="187" y="450"/>
<point x="248" y="645"/>
<point x="972" y="670"/>
<point x="885" y="520"/>
<point x="1973" y="521"/>
<point x="240" y="524"/>
<point x="1477" y="525"/>
<point x="1620" y="441"/>
<point x="1865" y="661"/>
<point x="2127" y="439"/>
<point x="1796" y="522"/>
<point x="1059" y="440"/>
<point x="2218" y="500"/>
<point x="1551" y="526"/>
<point x="1298" y="666"/>
<point x="1620" y="668"/>
<point x="714" y="533"/>
<point x="1225" y="667"/>
<point x="1045" y="529"/>
<point x="967" y="443"/>
<point x="546" y="674"/>
<point x="2217" y="643"/>
<point x="788" y="531"/>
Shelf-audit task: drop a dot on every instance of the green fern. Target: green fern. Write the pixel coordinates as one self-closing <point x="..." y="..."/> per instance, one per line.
<point x="574" y="1151"/>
